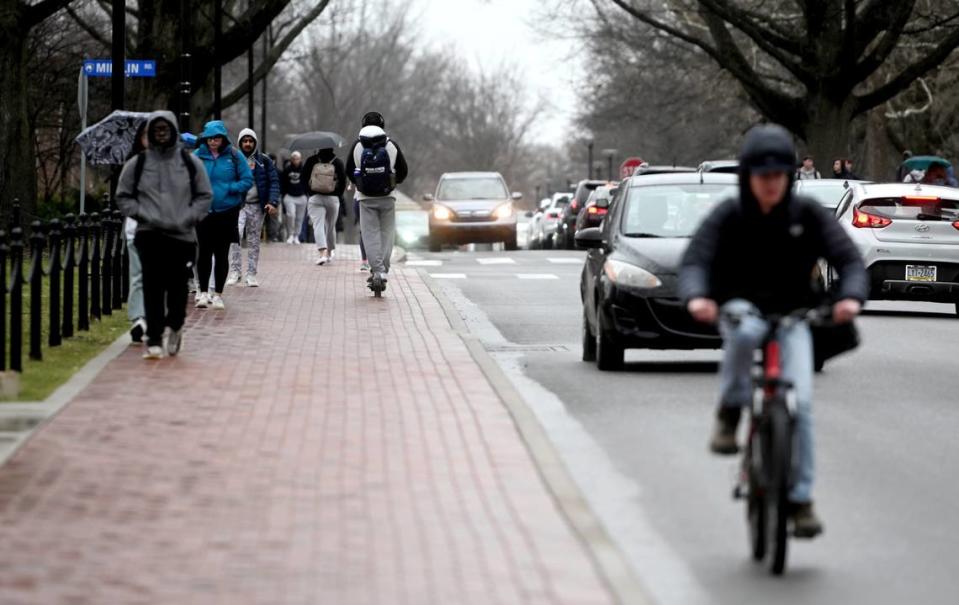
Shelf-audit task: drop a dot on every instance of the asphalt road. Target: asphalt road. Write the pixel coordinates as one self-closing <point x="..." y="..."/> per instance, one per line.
<point x="887" y="426"/>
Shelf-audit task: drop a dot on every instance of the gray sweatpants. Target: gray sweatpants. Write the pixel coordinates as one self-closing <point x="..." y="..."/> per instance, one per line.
<point x="323" y="210"/>
<point x="378" y="226"/>
<point x="135" y="308"/>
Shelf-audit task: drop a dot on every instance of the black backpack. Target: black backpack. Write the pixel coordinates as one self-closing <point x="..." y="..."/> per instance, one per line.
<point x="190" y="167"/>
<point x="376" y="177"/>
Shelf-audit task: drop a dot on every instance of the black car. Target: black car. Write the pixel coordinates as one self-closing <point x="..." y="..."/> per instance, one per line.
<point x="629" y="281"/>
<point x="597" y="206"/>
<point x="566" y="227"/>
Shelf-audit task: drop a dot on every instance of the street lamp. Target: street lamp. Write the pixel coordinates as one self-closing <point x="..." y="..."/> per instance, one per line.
<point x="610" y="154"/>
<point x="589" y="160"/>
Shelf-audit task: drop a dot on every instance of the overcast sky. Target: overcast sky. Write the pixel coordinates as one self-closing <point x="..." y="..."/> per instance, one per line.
<point x="491" y="32"/>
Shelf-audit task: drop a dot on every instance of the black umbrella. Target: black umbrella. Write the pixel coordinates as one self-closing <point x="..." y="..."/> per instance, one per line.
<point x="320" y="139"/>
<point x="110" y="140"/>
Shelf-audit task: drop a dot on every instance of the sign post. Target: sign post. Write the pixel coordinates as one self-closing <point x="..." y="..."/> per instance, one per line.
<point x="82" y="96"/>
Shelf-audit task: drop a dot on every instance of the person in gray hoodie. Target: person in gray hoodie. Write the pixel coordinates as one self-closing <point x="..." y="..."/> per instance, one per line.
<point x="166" y="190"/>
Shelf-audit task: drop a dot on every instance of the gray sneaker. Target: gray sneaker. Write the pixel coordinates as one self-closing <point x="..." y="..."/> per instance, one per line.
<point x="174" y="342"/>
<point x="805" y="522"/>
<point x="723" y="441"/>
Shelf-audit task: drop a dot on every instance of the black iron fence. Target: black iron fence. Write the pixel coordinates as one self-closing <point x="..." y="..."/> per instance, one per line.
<point x="78" y="264"/>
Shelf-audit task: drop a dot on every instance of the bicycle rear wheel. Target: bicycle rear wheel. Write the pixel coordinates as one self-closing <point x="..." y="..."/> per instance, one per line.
<point x="779" y="465"/>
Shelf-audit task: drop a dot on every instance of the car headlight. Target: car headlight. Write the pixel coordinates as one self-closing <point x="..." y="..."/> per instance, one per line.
<point x="441" y="213"/>
<point x="504" y="211"/>
<point x="630" y="276"/>
<point x="408" y="237"/>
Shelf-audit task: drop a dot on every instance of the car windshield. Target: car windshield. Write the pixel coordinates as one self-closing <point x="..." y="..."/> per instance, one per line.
<point x="480" y="188"/>
<point x="671" y="210"/>
<point x="917" y="208"/>
<point x="828" y="195"/>
<point x="562" y="202"/>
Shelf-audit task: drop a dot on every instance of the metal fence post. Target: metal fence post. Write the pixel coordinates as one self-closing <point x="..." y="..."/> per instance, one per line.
<point x="95" y="266"/>
<point x="36" y="289"/>
<point x="118" y="273"/>
<point x="69" y="266"/>
<point x="4" y="249"/>
<point x="54" y="339"/>
<point x="83" y="286"/>
<point x="106" y="278"/>
<point x="16" y="300"/>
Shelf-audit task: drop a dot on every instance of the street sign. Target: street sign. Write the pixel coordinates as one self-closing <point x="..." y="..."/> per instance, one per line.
<point x="629" y="166"/>
<point x="135" y="68"/>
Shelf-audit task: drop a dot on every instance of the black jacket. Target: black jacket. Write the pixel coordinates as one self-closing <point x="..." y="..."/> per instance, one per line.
<point x="291" y="181"/>
<point x="769" y="260"/>
<point x="337" y="165"/>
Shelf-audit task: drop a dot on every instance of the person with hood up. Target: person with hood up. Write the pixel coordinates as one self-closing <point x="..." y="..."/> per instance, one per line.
<point x="261" y="200"/>
<point x="754" y="255"/>
<point x="376" y="165"/>
<point x="166" y="191"/>
<point x="231" y="179"/>
<point x="325" y="181"/>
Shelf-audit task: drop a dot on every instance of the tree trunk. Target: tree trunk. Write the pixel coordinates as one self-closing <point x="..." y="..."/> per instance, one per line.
<point x="18" y="178"/>
<point x="828" y="128"/>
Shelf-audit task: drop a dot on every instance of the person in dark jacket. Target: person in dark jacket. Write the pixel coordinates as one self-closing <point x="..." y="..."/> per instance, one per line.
<point x="167" y="192"/>
<point x="753" y="256"/>
<point x="294" y="197"/>
<point x="325" y="181"/>
<point x="262" y="200"/>
<point x="839" y="169"/>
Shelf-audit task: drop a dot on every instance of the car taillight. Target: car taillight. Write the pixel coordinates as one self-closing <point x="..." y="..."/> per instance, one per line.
<point x="574" y="204"/>
<point x="864" y="220"/>
<point x="956" y="224"/>
<point x="552" y="214"/>
<point x="595" y="210"/>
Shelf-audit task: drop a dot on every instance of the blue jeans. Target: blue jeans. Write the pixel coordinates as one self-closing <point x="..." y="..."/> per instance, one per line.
<point x="739" y="344"/>
<point x="135" y="308"/>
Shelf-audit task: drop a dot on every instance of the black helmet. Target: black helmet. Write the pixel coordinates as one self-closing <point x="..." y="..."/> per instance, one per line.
<point x="767" y="148"/>
<point x="374" y="118"/>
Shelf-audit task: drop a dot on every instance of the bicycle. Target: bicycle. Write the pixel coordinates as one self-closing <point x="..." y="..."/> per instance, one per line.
<point x="766" y="474"/>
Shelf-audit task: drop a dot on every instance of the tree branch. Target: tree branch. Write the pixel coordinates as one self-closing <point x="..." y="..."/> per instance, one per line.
<point x="89" y="29"/>
<point x="39" y="12"/>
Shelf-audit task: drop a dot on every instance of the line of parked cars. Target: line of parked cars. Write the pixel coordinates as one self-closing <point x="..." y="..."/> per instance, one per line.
<point x="908" y="235"/>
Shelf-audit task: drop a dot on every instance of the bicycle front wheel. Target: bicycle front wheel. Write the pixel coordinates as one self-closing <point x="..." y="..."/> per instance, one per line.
<point x="777" y="498"/>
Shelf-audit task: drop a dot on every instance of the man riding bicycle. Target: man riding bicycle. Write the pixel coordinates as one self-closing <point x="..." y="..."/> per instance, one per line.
<point x="756" y="256"/>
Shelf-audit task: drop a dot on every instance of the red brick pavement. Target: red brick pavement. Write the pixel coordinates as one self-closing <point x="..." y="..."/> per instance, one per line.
<point x="310" y="445"/>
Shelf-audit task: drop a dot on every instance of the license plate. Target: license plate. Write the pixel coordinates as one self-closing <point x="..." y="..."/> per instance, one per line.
<point x="921" y="273"/>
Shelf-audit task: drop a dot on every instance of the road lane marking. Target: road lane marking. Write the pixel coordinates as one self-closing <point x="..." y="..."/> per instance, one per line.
<point x="504" y="260"/>
<point x="424" y="263"/>
<point x="537" y="276"/>
<point x="565" y="260"/>
<point x="448" y="275"/>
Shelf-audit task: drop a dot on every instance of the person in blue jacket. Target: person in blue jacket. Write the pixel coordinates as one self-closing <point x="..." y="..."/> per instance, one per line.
<point x="231" y="179"/>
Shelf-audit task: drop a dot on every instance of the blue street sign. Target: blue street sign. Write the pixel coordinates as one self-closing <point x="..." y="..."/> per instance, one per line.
<point x="135" y="68"/>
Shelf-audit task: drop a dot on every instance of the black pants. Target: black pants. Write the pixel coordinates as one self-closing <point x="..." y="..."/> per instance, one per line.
<point x="167" y="264"/>
<point x="214" y="235"/>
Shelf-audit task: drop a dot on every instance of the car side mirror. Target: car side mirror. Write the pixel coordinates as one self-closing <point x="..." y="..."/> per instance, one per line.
<point x="427" y="197"/>
<point x="517" y="195"/>
<point x="589" y="238"/>
<point x="529" y="214"/>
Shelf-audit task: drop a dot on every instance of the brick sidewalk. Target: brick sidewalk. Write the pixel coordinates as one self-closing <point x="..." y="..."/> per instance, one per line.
<point x="310" y="445"/>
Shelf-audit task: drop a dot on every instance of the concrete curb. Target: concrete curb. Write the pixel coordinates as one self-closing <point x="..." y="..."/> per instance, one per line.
<point x="32" y="415"/>
<point x="609" y="561"/>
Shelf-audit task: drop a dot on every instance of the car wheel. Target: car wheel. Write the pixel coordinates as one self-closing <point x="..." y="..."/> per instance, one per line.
<point x="609" y="355"/>
<point x="957" y="309"/>
<point x="436" y="244"/>
<point x="569" y="242"/>
<point x="510" y="243"/>
<point x="548" y="243"/>
<point x="589" y="341"/>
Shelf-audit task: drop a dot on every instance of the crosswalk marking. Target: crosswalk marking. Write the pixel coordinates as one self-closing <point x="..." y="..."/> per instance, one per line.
<point x="448" y="275"/>
<point x="565" y="260"/>
<point x="537" y="276"/>
<point x="424" y="263"/>
<point x="501" y="260"/>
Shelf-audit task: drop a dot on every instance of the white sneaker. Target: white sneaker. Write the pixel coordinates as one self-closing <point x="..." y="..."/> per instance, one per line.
<point x="291" y="240"/>
<point x="332" y="254"/>
<point x="153" y="353"/>
<point x="217" y="302"/>
<point x="296" y="240"/>
<point x="251" y="281"/>
<point x="322" y="260"/>
<point x="233" y="279"/>
<point x="138" y="331"/>
<point x="202" y="300"/>
<point x="174" y="342"/>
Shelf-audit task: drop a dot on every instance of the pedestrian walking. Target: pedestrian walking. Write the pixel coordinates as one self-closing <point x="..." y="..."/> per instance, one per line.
<point x="230" y="178"/>
<point x="808" y="170"/>
<point x="167" y="192"/>
<point x="325" y="183"/>
<point x="850" y="173"/>
<point x="839" y="169"/>
<point x="376" y="166"/>
<point x="262" y="200"/>
<point x="136" y="312"/>
<point x="294" y="197"/>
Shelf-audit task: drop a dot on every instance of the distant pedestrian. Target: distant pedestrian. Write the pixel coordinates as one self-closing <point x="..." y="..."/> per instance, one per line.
<point x="808" y="170"/>
<point x="294" y="197"/>
<point x="136" y="312"/>
<point x="167" y="191"/>
<point x="839" y="169"/>
<point x="262" y="200"/>
<point x="325" y="182"/>
<point x="850" y="173"/>
<point x="376" y="166"/>
<point x="903" y="171"/>
<point x="231" y="179"/>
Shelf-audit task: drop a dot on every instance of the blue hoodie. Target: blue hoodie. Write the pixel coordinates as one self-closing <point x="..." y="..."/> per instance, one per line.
<point x="230" y="176"/>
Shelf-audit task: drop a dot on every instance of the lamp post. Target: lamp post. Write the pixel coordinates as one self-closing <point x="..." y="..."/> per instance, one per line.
<point x="118" y="73"/>
<point x="610" y="154"/>
<point x="217" y="68"/>
<point x="185" y="66"/>
<point x="589" y="159"/>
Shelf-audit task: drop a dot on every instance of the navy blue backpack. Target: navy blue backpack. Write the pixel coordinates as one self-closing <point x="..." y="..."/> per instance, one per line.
<point x="376" y="178"/>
